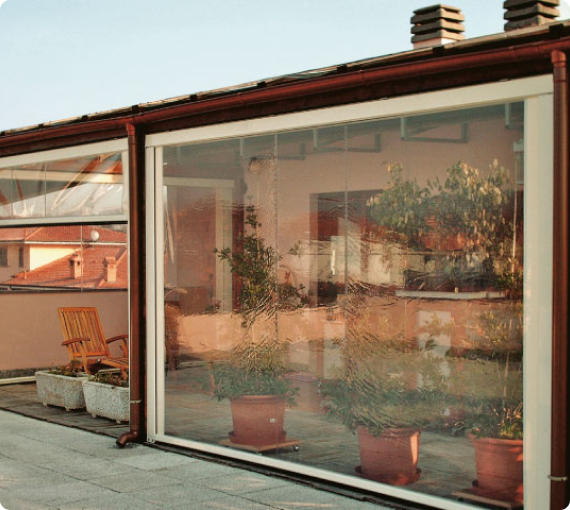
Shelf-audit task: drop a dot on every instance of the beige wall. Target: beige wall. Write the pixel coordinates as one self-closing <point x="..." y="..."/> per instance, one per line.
<point x="40" y="256"/>
<point x="30" y="332"/>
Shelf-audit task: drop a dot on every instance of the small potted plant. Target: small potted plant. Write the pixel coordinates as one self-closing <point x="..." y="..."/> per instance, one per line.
<point x="487" y="378"/>
<point x="62" y="386"/>
<point x="388" y="389"/>
<point x="252" y="375"/>
<point x="107" y="395"/>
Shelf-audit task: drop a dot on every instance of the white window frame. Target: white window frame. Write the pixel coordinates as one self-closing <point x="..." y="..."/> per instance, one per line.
<point x="93" y="149"/>
<point x="536" y="92"/>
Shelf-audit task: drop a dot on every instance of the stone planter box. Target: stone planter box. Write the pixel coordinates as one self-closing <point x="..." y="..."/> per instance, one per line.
<point x="60" y="390"/>
<point x="107" y="401"/>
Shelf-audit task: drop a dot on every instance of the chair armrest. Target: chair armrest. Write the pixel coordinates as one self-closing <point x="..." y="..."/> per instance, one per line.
<point x="75" y="340"/>
<point x="124" y="343"/>
<point x="115" y="338"/>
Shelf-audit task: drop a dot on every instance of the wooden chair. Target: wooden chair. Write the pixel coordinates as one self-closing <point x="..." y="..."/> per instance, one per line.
<point x="84" y="340"/>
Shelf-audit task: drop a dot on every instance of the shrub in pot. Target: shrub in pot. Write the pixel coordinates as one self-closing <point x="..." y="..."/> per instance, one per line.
<point x="486" y="382"/>
<point x="489" y="376"/>
<point x="252" y="375"/>
<point x="107" y="395"/>
<point x="388" y="390"/>
<point x="62" y="386"/>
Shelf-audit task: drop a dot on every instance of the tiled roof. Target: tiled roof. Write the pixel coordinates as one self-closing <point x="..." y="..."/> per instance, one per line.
<point x="57" y="273"/>
<point x="13" y="234"/>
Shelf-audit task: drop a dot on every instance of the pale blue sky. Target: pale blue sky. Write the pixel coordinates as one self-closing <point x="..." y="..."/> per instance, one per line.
<point x="62" y="58"/>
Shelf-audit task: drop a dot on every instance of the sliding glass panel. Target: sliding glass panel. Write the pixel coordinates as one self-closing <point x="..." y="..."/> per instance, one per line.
<point x="349" y="297"/>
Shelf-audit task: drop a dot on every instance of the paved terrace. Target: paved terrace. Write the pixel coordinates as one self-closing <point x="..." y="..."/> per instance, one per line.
<point x="45" y="466"/>
<point x="446" y="462"/>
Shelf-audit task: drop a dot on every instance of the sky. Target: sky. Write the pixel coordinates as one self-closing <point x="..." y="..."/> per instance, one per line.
<point x="63" y="58"/>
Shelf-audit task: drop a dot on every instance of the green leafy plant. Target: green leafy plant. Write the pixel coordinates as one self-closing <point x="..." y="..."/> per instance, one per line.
<point x="72" y="369"/>
<point x="486" y="381"/>
<point x="256" y="365"/>
<point x="464" y="221"/>
<point x="386" y="382"/>
<point x="114" y="379"/>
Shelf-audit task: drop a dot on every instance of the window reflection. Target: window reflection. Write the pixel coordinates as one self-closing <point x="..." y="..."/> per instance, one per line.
<point x="48" y="267"/>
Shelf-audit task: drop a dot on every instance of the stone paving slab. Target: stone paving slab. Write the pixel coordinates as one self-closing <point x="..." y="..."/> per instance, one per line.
<point x="116" y="502"/>
<point x="134" y="481"/>
<point x="297" y="497"/>
<point x="155" y="461"/>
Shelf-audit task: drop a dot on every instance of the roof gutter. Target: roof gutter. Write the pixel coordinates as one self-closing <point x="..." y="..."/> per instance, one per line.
<point x="532" y="51"/>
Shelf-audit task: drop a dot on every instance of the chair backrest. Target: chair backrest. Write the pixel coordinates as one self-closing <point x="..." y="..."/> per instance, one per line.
<point x="83" y="322"/>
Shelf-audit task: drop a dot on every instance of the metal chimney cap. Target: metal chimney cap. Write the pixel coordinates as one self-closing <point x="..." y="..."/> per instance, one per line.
<point x="437" y="25"/>
<point x="527" y="13"/>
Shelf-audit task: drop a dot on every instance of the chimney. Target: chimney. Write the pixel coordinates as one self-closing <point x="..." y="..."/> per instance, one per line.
<point x="437" y="25"/>
<point x="110" y="264"/>
<point x="75" y="268"/>
<point x="528" y="13"/>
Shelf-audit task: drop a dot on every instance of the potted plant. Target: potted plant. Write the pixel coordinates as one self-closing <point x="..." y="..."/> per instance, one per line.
<point x="252" y="375"/>
<point x="487" y="377"/>
<point x="107" y="395"/>
<point x="388" y="389"/>
<point x="62" y="386"/>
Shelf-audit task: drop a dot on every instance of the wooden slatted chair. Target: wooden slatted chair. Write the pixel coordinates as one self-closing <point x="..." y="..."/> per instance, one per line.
<point x="84" y="340"/>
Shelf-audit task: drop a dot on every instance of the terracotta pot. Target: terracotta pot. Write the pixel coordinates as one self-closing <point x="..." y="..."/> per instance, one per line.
<point x="499" y="464"/>
<point x="258" y="420"/>
<point x="391" y="457"/>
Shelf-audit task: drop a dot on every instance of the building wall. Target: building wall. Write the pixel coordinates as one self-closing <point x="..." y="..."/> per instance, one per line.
<point x="41" y="255"/>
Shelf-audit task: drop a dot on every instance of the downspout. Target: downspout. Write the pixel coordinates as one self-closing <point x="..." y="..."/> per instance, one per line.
<point x="137" y="300"/>
<point x="559" y="448"/>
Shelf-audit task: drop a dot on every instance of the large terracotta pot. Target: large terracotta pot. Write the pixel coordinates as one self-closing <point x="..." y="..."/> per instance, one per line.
<point x="258" y="420"/>
<point x="499" y="464"/>
<point x="391" y="457"/>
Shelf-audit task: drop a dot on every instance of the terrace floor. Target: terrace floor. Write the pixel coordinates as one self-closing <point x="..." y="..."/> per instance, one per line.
<point x="23" y="399"/>
<point x="446" y="462"/>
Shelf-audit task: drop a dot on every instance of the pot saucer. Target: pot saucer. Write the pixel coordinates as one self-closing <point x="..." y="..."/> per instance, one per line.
<point x="396" y="479"/>
<point x="252" y="440"/>
<point x="512" y="495"/>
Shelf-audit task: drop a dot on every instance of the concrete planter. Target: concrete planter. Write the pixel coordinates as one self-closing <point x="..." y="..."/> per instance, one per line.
<point x="60" y="390"/>
<point x="108" y="401"/>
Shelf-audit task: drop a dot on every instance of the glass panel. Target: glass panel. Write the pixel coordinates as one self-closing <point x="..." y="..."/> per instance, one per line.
<point x="5" y="193"/>
<point x="52" y="267"/>
<point x="28" y="191"/>
<point x="87" y="186"/>
<point x="76" y="187"/>
<point x="352" y="289"/>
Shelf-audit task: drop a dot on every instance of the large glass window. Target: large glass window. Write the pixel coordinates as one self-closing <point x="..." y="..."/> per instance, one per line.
<point x="349" y="297"/>
<point x="63" y="233"/>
